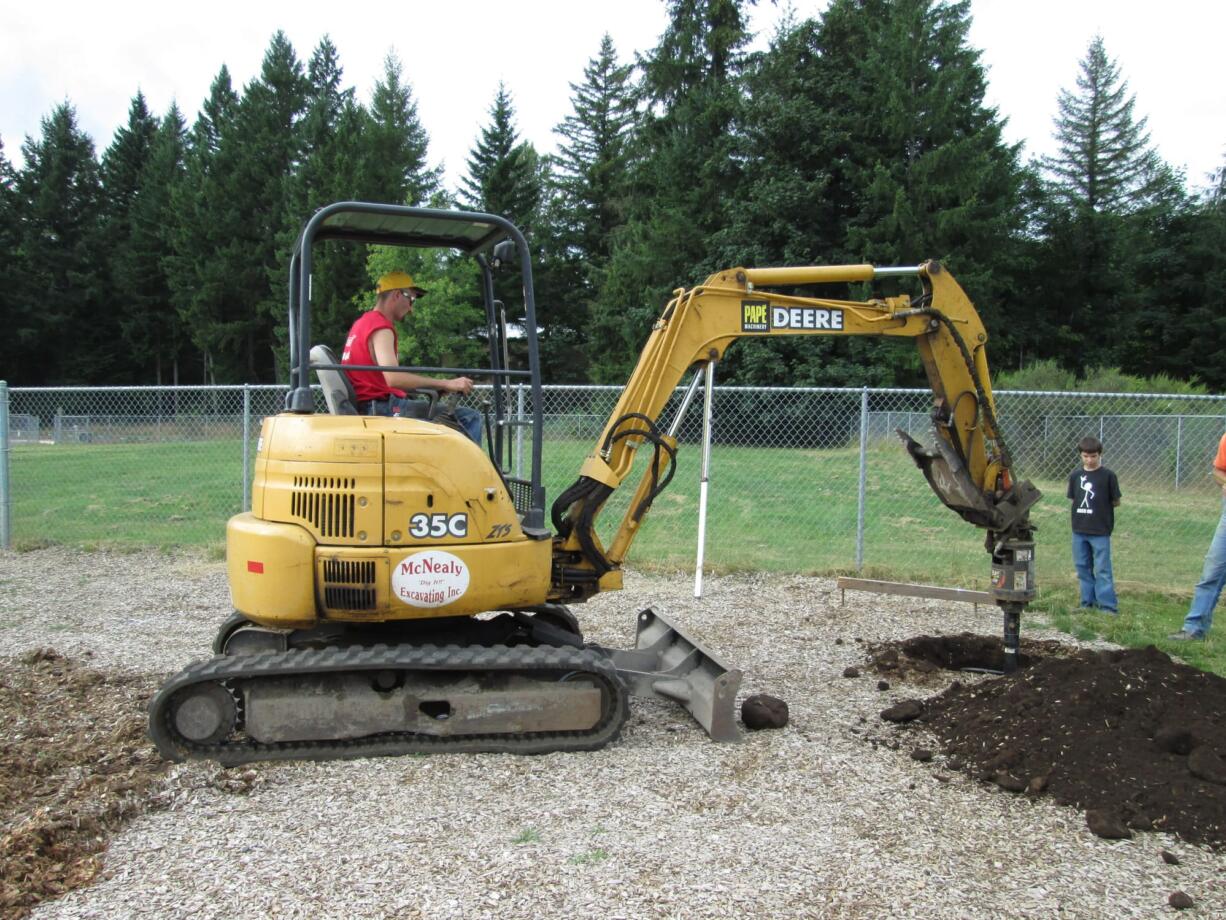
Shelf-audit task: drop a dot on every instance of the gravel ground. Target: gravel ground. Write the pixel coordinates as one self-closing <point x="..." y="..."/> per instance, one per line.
<point x="811" y="821"/>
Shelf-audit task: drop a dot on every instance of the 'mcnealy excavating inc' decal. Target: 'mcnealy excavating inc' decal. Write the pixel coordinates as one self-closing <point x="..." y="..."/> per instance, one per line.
<point x="429" y="579"/>
<point x="761" y="316"/>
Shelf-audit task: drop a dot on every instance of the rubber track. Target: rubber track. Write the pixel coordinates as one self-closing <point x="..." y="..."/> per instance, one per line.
<point x="525" y="660"/>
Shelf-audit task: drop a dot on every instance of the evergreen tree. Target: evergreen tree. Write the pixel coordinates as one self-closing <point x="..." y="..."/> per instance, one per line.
<point x="1107" y="192"/>
<point x="395" y="168"/>
<point x="683" y="168"/>
<point x="931" y="175"/>
<point x="331" y="170"/>
<point x="867" y="139"/>
<point x="1105" y="163"/>
<point x="152" y="326"/>
<point x="503" y="176"/>
<point x="1182" y="271"/>
<point x="507" y="177"/>
<point x="65" y="332"/>
<point x="13" y="274"/>
<point x="586" y="206"/>
<point x="592" y="163"/>
<point x="130" y="291"/>
<point x="269" y="140"/>
<point x="206" y="251"/>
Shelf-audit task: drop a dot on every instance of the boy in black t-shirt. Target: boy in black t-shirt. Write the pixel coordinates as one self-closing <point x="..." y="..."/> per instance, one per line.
<point x="1095" y="494"/>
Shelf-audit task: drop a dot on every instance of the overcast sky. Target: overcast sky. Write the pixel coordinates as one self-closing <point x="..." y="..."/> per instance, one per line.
<point x="97" y="55"/>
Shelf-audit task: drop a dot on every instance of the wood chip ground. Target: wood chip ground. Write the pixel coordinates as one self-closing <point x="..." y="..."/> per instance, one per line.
<point x="811" y="821"/>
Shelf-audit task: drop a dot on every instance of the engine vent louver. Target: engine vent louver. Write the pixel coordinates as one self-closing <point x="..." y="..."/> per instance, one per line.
<point x="326" y="502"/>
<point x="349" y="585"/>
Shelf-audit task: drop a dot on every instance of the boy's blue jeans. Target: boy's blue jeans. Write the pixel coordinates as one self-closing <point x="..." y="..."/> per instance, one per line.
<point x="1092" y="557"/>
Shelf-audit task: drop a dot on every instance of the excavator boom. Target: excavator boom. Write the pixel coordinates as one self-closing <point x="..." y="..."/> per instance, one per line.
<point x="968" y="465"/>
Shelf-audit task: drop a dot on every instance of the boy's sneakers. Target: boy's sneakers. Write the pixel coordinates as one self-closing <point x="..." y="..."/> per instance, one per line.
<point x="1184" y="636"/>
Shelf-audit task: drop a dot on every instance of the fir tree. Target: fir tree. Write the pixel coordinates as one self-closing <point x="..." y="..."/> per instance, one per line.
<point x="1181" y="271"/>
<point x="683" y="167"/>
<point x="331" y="170"/>
<point x="503" y="175"/>
<point x="204" y="257"/>
<point x="592" y="162"/>
<point x="151" y="326"/>
<point x="132" y="269"/>
<point x="395" y="167"/>
<point x="123" y="162"/>
<point x="67" y="332"/>
<point x="1105" y="163"/>
<point x="587" y="205"/>
<point x="14" y="296"/>
<point x="269" y="139"/>
<point x="1107" y="192"/>
<point x="506" y="177"/>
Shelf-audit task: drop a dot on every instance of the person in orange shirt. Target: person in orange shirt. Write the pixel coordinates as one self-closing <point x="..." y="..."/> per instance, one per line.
<point x="372" y="340"/>
<point x="1205" y="596"/>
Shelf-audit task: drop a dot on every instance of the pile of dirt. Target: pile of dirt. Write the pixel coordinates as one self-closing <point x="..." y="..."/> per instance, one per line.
<point x="75" y="764"/>
<point x="1135" y="739"/>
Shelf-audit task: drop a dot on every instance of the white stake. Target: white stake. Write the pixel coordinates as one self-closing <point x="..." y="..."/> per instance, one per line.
<point x="709" y="385"/>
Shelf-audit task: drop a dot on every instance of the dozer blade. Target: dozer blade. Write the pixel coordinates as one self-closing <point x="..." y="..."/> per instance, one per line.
<point x="669" y="665"/>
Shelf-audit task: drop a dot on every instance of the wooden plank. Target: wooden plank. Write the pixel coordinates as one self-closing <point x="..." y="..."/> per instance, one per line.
<point x="897" y="587"/>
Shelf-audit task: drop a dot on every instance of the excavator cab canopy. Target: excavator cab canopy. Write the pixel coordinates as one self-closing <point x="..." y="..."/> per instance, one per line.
<point x="491" y="241"/>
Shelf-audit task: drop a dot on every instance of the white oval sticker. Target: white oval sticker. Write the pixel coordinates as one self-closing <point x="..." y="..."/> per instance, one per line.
<point x="429" y="579"/>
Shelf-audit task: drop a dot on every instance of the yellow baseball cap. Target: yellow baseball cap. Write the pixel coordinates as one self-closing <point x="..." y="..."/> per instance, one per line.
<point x="398" y="280"/>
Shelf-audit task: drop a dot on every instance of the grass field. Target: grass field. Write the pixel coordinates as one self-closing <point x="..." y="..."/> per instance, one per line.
<point x="777" y="510"/>
<point x="118" y="495"/>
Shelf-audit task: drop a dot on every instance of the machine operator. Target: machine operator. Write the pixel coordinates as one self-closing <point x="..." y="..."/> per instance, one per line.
<point x="372" y="340"/>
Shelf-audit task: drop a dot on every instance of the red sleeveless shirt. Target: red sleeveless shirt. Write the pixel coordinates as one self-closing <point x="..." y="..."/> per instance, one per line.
<point x="368" y="385"/>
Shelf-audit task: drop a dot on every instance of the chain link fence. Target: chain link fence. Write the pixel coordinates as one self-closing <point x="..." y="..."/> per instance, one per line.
<point x="801" y="479"/>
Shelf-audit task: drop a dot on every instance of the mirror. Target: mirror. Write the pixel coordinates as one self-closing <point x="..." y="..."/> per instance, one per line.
<point x="504" y="252"/>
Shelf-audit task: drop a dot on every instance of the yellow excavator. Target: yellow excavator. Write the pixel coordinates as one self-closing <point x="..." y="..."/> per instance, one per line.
<point x="397" y="588"/>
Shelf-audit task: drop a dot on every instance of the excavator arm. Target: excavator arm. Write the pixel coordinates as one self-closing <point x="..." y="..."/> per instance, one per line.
<point x="969" y="466"/>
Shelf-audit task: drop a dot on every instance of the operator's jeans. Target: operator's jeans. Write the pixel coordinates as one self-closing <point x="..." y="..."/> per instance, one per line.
<point x="1212" y="578"/>
<point x="407" y="407"/>
<point x="1092" y="557"/>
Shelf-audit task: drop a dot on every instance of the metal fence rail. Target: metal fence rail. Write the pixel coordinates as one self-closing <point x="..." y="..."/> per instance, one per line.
<point x="802" y="479"/>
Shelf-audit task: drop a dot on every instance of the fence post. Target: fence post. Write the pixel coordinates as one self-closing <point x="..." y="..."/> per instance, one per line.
<point x="6" y="520"/>
<point x="863" y="478"/>
<point x="1046" y="434"/>
<point x="246" y="447"/>
<point x="519" y="430"/>
<point x="1178" y="447"/>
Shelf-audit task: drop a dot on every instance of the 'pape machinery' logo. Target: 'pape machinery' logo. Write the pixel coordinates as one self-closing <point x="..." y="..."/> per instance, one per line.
<point x="760" y="316"/>
<point x="755" y="316"/>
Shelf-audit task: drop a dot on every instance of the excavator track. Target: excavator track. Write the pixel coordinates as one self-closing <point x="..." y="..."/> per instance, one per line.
<point x="215" y="701"/>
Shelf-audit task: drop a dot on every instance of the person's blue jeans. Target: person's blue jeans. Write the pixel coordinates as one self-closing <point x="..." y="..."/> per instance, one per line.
<point x="1212" y="578"/>
<point x="407" y="407"/>
<point x="1092" y="557"/>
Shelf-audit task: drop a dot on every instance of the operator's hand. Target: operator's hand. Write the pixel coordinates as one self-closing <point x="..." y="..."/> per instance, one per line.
<point x="459" y="385"/>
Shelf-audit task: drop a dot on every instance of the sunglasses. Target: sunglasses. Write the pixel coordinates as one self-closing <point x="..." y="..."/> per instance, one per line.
<point x="405" y="292"/>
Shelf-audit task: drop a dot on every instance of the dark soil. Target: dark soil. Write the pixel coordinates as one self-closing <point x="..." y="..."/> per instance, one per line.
<point x="1131" y="737"/>
<point x="913" y="658"/>
<point x="75" y="764"/>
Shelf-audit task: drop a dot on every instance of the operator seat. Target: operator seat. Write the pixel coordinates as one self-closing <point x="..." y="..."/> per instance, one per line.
<point x="338" y="390"/>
